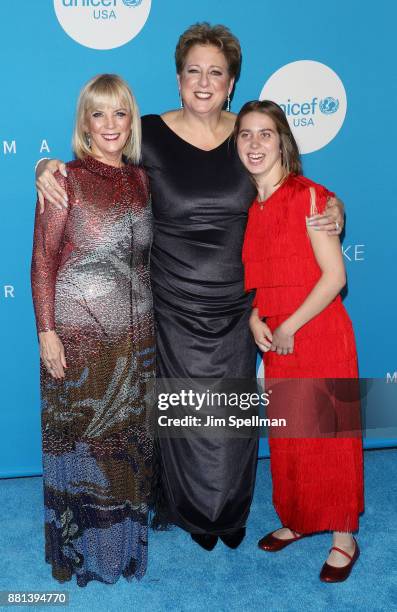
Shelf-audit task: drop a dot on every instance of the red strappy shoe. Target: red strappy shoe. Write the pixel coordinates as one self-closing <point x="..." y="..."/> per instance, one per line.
<point x="271" y="543"/>
<point x="330" y="573"/>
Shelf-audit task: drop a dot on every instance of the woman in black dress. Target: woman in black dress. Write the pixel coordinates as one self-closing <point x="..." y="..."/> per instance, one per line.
<point x="199" y="200"/>
<point x="201" y="195"/>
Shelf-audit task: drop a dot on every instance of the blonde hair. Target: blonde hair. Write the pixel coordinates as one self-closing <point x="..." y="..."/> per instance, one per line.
<point x="107" y="89"/>
<point x="204" y="34"/>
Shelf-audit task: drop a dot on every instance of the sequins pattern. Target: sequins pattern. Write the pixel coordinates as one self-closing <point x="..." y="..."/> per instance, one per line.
<point x="91" y="283"/>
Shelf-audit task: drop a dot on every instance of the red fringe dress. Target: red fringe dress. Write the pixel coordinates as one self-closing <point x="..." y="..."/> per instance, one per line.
<point x="316" y="466"/>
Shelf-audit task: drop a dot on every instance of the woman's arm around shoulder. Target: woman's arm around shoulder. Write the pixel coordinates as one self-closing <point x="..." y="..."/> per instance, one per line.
<point x="48" y="188"/>
<point x="330" y="214"/>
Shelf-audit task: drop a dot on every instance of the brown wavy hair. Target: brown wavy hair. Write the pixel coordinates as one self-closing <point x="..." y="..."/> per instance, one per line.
<point x="290" y="157"/>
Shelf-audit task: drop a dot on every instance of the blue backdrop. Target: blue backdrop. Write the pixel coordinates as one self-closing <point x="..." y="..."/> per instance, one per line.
<point x="43" y="69"/>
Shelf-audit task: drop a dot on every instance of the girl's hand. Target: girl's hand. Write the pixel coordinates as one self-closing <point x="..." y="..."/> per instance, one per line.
<point x="261" y="332"/>
<point x="52" y="354"/>
<point x="47" y="186"/>
<point x="283" y="341"/>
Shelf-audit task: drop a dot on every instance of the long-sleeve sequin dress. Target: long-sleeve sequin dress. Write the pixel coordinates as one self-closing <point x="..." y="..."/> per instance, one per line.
<point x="91" y="283"/>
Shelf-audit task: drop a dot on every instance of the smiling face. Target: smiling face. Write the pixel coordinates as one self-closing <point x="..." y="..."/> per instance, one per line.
<point x="204" y="81"/>
<point x="108" y="127"/>
<point x="258" y="145"/>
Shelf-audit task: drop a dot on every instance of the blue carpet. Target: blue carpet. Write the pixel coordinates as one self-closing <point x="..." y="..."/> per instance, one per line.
<point x="183" y="577"/>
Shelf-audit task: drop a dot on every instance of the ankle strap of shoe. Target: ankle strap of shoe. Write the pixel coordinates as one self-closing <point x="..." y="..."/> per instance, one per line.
<point x="343" y="552"/>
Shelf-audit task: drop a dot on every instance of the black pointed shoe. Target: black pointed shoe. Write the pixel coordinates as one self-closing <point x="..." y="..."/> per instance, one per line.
<point x="233" y="539"/>
<point x="205" y="540"/>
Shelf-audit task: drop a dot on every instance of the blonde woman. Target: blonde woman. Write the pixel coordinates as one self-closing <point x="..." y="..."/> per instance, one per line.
<point x="93" y="306"/>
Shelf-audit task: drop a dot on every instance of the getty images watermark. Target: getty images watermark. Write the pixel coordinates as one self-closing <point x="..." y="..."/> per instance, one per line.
<point x="184" y="410"/>
<point x="286" y="408"/>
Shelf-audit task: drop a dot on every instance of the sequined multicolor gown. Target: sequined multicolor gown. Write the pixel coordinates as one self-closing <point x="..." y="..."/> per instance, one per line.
<point x="90" y="282"/>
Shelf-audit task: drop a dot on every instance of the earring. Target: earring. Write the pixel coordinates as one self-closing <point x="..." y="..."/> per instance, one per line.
<point x="88" y="139"/>
<point x="180" y="100"/>
<point x="228" y="103"/>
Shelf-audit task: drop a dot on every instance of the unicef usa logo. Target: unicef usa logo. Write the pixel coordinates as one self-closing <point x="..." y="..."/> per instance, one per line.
<point x="102" y="24"/>
<point x="314" y="100"/>
<point x="329" y="105"/>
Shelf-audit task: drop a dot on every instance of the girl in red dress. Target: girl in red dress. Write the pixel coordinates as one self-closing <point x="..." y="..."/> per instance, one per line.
<point x="307" y="341"/>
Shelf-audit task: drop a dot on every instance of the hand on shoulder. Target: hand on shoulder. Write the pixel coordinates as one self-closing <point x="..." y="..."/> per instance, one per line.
<point x="47" y="185"/>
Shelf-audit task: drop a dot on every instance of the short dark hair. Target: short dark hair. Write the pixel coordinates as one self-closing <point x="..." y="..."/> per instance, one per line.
<point x="204" y="34"/>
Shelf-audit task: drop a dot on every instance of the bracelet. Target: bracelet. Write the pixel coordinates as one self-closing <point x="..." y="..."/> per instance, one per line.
<point x="40" y="160"/>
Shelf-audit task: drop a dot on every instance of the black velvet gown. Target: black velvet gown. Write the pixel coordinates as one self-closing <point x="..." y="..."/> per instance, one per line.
<point x="200" y="202"/>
